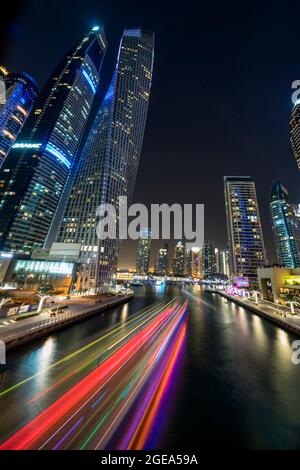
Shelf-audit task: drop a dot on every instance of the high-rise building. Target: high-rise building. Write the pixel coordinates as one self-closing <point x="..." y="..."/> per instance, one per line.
<point x="295" y="132"/>
<point x="143" y="252"/>
<point x="162" y="263"/>
<point x="209" y="259"/>
<point x="217" y="260"/>
<point x="245" y="238"/>
<point x="109" y="162"/>
<point x="19" y="94"/>
<point x="193" y="262"/>
<point x="224" y="262"/>
<point x="178" y="262"/>
<point x="285" y="227"/>
<point x="34" y="175"/>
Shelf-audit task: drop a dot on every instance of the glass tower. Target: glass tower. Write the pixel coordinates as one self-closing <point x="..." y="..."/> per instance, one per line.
<point x="34" y="175"/>
<point x="224" y="262"/>
<point x="245" y="238"/>
<point x="143" y="252"/>
<point x="109" y="162"/>
<point x="285" y="226"/>
<point x="209" y="264"/>
<point x="19" y="95"/>
<point x="162" y="263"/>
<point x="178" y="262"/>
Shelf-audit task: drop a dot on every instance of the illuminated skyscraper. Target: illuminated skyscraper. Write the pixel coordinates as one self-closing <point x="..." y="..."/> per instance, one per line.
<point x="224" y="262"/>
<point x="143" y="252"/>
<point x="34" y="175"/>
<point x="193" y="262"/>
<point x="109" y="162"/>
<point x="162" y="263"/>
<point x="295" y="132"/>
<point x="209" y="266"/>
<point x="245" y="239"/>
<point x="285" y="226"/>
<point x="178" y="262"/>
<point x="19" y="94"/>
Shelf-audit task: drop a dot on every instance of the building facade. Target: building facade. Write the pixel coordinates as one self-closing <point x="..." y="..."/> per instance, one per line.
<point x="162" y="263"/>
<point x="179" y="259"/>
<point x="245" y="238"/>
<point x="109" y="162"/>
<point x="285" y="227"/>
<point x="295" y="132"/>
<point x="193" y="262"/>
<point x="224" y="262"/>
<point x="19" y="94"/>
<point x="209" y="266"/>
<point x="143" y="252"/>
<point x="34" y="175"/>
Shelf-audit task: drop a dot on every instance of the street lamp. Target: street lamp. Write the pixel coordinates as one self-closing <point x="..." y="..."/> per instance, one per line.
<point x="42" y="300"/>
<point x="292" y="307"/>
<point x="256" y="292"/>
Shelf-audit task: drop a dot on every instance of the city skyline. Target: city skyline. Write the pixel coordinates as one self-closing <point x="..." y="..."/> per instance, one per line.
<point x="149" y="230"/>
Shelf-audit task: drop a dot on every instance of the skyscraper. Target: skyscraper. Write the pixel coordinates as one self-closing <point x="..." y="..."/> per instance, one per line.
<point x="295" y="132"/>
<point x="19" y="95"/>
<point x="34" y="175"/>
<point x="224" y="262"/>
<point x="109" y="162"/>
<point x="143" y="252"/>
<point x="285" y="227"/>
<point x="193" y="261"/>
<point x="162" y="263"/>
<point x="209" y="259"/>
<point x="178" y="262"/>
<point x="245" y="239"/>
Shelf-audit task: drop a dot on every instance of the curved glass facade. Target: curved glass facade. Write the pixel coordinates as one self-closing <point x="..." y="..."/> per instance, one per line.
<point x="285" y="227"/>
<point x="19" y="96"/>
<point x="109" y="162"/>
<point x="35" y="174"/>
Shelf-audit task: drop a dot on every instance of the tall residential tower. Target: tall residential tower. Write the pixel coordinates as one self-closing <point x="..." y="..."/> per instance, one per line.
<point x="295" y="132"/>
<point x="245" y="239"/>
<point x="178" y="261"/>
<point x="143" y="252"/>
<point x="34" y="175"/>
<point x="19" y="95"/>
<point x="285" y="227"/>
<point x="109" y="162"/>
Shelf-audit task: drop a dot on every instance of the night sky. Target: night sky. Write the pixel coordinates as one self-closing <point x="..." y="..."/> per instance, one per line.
<point x="221" y="94"/>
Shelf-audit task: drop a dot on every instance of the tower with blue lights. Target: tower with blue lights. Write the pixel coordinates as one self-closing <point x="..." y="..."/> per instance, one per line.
<point x="245" y="238"/>
<point x="285" y="227"/>
<point x="34" y="175"/>
<point x="18" y="96"/>
<point x="109" y="162"/>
